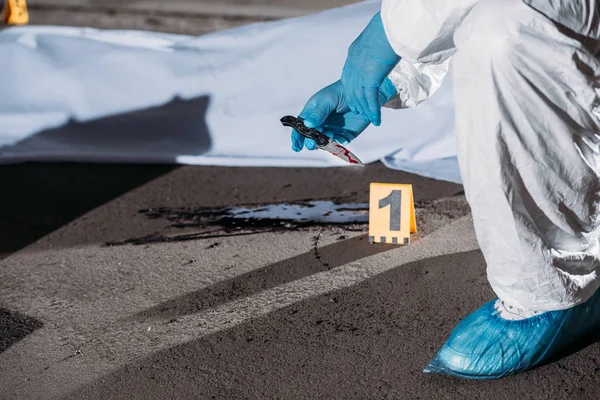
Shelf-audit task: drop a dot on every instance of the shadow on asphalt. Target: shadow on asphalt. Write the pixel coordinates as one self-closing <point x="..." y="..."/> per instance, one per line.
<point x="14" y="327"/>
<point x="370" y="340"/>
<point x="270" y="276"/>
<point x="40" y="198"/>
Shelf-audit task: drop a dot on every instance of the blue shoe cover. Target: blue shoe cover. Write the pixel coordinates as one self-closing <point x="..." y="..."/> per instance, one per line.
<point x="486" y="346"/>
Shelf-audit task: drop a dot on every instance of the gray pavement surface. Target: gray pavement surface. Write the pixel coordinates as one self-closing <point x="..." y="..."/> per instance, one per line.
<point x="176" y="16"/>
<point x="299" y="313"/>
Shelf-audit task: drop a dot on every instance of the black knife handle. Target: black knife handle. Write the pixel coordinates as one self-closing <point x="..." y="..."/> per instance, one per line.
<point x="311" y="133"/>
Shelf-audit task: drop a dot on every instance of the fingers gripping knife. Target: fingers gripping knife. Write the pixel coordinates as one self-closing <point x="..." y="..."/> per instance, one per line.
<point x="323" y="142"/>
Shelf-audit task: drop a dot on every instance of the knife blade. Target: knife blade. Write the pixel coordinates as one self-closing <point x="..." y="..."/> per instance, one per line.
<point x="322" y="140"/>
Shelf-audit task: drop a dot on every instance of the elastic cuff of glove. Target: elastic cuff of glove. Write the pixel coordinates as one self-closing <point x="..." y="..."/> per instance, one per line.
<point x="387" y="91"/>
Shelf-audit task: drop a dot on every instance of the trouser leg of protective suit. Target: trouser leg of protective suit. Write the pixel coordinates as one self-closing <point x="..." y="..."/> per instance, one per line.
<point x="527" y="129"/>
<point x="526" y="91"/>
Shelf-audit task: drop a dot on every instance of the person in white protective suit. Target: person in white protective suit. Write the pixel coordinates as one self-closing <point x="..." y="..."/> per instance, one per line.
<point x="526" y="77"/>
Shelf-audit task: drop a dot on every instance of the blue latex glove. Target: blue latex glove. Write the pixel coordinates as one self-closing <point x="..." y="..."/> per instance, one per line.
<point x="370" y="60"/>
<point x="486" y="346"/>
<point x="328" y="111"/>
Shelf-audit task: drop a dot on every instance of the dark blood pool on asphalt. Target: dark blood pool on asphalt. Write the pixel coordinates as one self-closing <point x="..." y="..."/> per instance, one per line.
<point x="238" y="221"/>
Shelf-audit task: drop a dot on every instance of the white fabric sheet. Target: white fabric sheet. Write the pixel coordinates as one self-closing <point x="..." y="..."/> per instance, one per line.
<point x="73" y="94"/>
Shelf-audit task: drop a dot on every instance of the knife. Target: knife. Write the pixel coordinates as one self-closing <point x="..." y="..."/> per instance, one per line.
<point x="322" y="140"/>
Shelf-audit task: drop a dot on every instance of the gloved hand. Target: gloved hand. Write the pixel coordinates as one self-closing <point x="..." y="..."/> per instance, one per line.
<point x="370" y="60"/>
<point x="328" y="111"/>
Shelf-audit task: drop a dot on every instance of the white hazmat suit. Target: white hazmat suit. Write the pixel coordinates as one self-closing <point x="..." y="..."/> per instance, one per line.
<point x="526" y="79"/>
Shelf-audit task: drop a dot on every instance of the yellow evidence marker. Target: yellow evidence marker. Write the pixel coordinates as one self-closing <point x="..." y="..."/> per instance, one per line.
<point x="15" y="12"/>
<point x="391" y="213"/>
